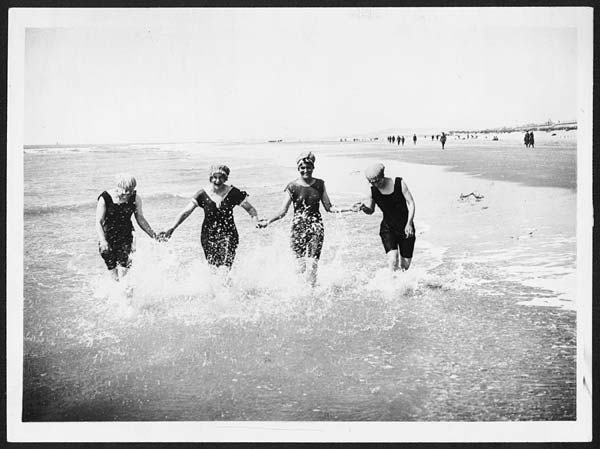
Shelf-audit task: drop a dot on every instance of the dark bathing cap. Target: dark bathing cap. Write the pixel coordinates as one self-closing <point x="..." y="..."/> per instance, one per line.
<point x="374" y="171"/>
<point x="221" y="169"/>
<point x="306" y="157"/>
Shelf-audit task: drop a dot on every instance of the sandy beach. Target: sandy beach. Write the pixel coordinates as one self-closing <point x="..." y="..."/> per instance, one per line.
<point x="552" y="163"/>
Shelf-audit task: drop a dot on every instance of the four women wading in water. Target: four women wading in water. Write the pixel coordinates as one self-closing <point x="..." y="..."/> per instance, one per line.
<point x="219" y="236"/>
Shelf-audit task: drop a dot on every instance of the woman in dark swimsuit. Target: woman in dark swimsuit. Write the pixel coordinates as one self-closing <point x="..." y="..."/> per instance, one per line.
<point x="307" y="232"/>
<point x="114" y="227"/>
<point x="219" y="236"/>
<point x="397" y="230"/>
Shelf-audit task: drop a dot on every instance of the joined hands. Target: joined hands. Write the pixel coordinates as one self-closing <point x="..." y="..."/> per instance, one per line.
<point x="357" y="207"/>
<point x="164" y="236"/>
<point x="262" y="223"/>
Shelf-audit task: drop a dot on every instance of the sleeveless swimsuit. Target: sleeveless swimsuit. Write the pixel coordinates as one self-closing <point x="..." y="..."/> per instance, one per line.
<point x="219" y="236"/>
<point x="118" y="231"/>
<point x="395" y="216"/>
<point x="307" y="232"/>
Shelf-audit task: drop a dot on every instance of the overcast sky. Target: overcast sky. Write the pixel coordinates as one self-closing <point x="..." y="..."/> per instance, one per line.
<point x="203" y="74"/>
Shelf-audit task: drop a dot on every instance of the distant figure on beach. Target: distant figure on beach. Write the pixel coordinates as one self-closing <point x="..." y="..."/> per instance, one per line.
<point x="393" y="139"/>
<point x="398" y="140"/>
<point x="432" y="137"/>
<point x="308" y="232"/>
<point x="443" y="140"/>
<point x="531" y="140"/>
<point x="219" y="236"/>
<point x="397" y="230"/>
<point x="402" y="140"/>
<point x="414" y="139"/>
<point x="526" y="139"/>
<point x="114" y="226"/>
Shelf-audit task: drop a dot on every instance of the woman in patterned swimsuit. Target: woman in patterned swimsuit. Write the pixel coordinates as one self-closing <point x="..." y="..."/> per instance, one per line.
<point x="219" y="236"/>
<point x="307" y="232"/>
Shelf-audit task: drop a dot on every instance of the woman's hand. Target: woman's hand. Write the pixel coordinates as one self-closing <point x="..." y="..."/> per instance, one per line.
<point x="103" y="245"/>
<point x="341" y="210"/>
<point x="408" y="230"/>
<point x="262" y="223"/>
<point x="165" y="235"/>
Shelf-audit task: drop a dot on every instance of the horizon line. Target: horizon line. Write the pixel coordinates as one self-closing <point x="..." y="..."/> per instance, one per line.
<point x="514" y="128"/>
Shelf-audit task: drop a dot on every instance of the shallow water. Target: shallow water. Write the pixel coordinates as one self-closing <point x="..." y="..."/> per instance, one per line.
<point x="446" y="340"/>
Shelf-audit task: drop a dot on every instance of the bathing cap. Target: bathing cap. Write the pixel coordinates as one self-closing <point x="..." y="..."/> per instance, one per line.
<point x="306" y="157"/>
<point x="222" y="169"/>
<point x="126" y="182"/>
<point x="374" y="171"/>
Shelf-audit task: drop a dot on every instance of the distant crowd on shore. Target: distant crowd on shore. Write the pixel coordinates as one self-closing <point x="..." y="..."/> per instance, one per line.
<point x="529" y="139"/>
<point x="400" y="139"/>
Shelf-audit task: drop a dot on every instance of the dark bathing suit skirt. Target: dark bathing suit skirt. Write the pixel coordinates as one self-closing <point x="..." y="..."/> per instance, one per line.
<point x="393" y="239"/>
<point x="117" y="254"/>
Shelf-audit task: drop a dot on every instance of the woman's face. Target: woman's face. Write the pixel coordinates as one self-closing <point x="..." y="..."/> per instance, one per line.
<point x="306" y="170"/>
<point x="124" y="194"/>
<point x="218" y="179"/>
<point x="377" y="181"/>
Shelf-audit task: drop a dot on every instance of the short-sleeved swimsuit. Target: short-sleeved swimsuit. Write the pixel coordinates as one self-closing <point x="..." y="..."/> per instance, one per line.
<point x="307" y="232"/>
<point x="395" y="216"/>
<point x="118" y="231"/>
<point x="219" y="236"/>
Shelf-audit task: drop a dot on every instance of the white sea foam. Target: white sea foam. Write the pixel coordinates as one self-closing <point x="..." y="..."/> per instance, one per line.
<point x="396" y="283"/>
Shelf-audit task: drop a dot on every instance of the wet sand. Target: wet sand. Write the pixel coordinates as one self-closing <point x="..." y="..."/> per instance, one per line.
<point x="549" y="164"/>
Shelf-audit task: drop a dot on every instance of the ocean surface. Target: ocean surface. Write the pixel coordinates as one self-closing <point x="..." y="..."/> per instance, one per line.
<point x="481" y="328"/>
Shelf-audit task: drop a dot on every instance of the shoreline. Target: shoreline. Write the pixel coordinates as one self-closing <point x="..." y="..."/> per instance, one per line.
<point x="553" y="163"/>
<point x="535" y="168"/>
<point x="509" y="215"/>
